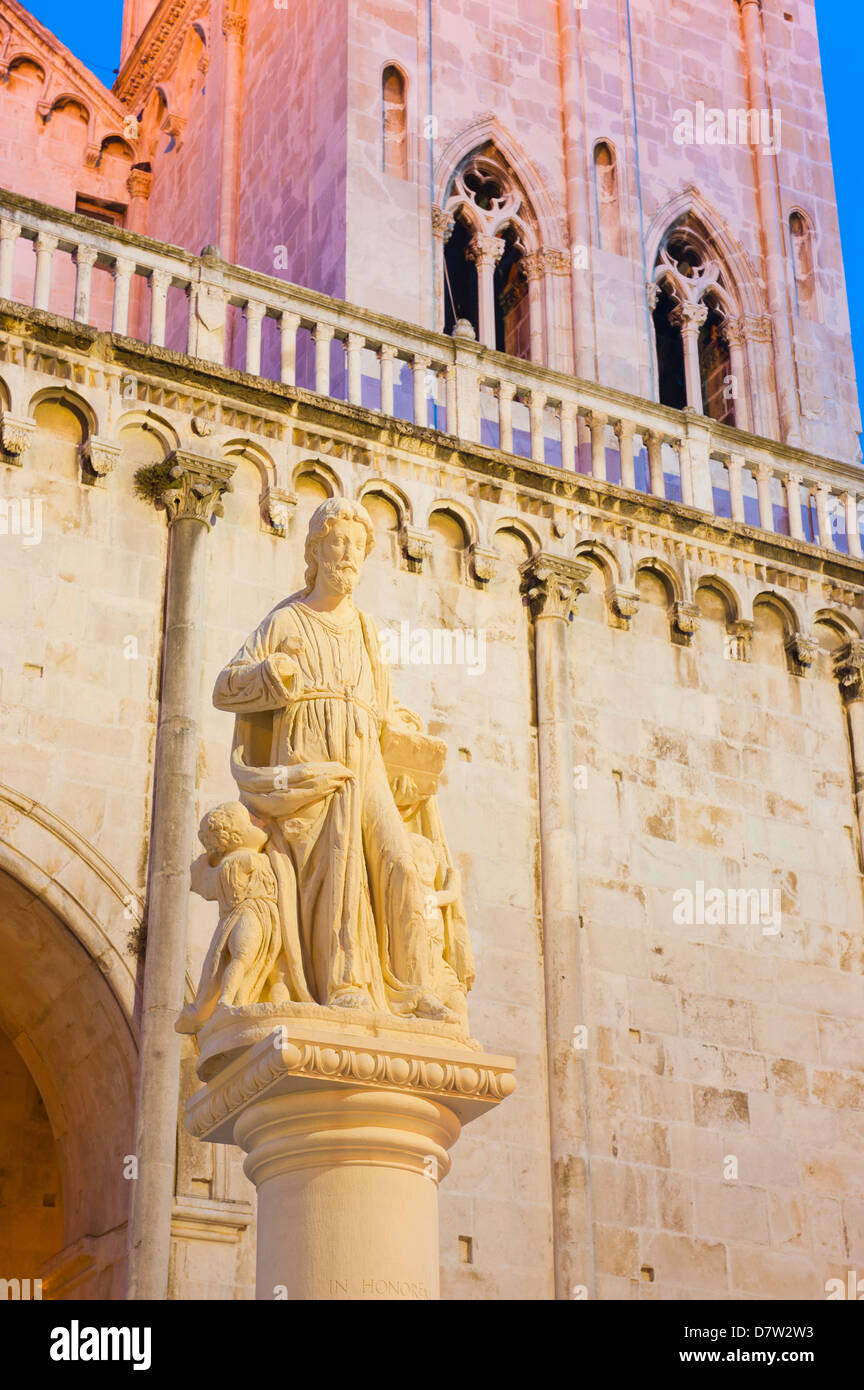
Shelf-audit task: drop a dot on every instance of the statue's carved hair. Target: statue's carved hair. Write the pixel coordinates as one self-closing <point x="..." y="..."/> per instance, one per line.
<point x="231" y="816"/>
<point x="322" y="520"/>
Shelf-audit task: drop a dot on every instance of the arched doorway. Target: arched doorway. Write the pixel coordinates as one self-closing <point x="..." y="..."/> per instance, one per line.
<point x="69" y="1056"/>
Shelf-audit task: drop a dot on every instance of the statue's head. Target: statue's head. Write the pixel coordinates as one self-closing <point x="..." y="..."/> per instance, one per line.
<point x="229" y="827"/>
<point x="339" y="538"/>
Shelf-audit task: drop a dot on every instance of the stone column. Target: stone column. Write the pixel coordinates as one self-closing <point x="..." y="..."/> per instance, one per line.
<point x="689" y="318"/>
<point x="735" y="464"/>
<point x="576" y="174"/>
<point x="555" y="267"/>
<point x="288" y="325"/>
<point x="733" y="335"/>
<point x="764" y="476"/>
<point x="85" y="259"/>
<point x="422" y="380"/>
<point x="9" y="234"/>
<point x="347" y="1134"/>
<point x="853" y="534"/>
<point x="160" y="283"/>
<point x="531" y="266"/>
<point x="769" y="218"/>
<point x="322" y="337"/>
<point x="442" y="228"/>
<point x="123" y="270"/>
<point x="552" y="585"/>
<point x="254" y="314"/>
<point x="46" y="245"/>
<point x="792" y="484"/>
<point x="849" y="670"/>
<point x="191" y="489"/>
<point x="597" y="422"/>
<point x="486" y="252"/>
<point x="823" y="516"/>
<point x="354" y="344"/>
<point x="505" y="393"/>
<point x="138" y="185"/>
<point x="654" y="444"/>
<point x="624" y="431"/>
<point x="567" y="415"/>
<point x="234" y="31"/>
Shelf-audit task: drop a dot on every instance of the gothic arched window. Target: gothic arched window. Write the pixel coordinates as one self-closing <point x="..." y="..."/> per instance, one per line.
<point x="394" y="123"/>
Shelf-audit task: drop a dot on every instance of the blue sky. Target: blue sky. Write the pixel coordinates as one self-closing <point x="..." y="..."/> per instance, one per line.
<point x="96" y="41"/>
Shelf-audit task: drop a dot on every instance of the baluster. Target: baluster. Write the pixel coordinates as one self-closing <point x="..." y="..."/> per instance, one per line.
<point x="387" y="357"/>
<point x="654" y="442"/>
<point x="46" y="245"/>
<point x="160" y="281"/>
<point x="853" y="535"/>
<point x="322" y="336"/>
<point x="420" y="368"/>
<point x="567" y="416"/>
<point x="596" y="423"/>
<point x="123" y="271"/>
<point x="505" y="391"/>
<point x="452" y="399"/>
<point x="85" y="259"/>
<point x="9" y="234"/>
<point x="288" y="325"/>
<point x="624" y="431"/>
<point x="536" y="406"/>
<point x="354" y="344"/>
<point x="254" y="316"/>
<point x="735" y="469"/>
<point x="685" y="468"/>
<point x="792" y="484"/>
<point x="764" y="474"/>
<point x="823" y="515"/>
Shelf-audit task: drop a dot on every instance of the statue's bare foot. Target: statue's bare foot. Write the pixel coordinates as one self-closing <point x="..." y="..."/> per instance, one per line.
<point x="428" y="1005"/>
<point x="352" y="997"/>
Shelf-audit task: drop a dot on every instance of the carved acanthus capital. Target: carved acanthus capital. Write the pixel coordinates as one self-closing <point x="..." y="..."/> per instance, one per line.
<point x="416" y="544"/>
<point x="139" y="183"/>
<point x="623" y="604"/>
<point x="849" y="670"/>
<point x="190" y="488"/>
<point x="802" y="651"/>
<point x="484" y="562"/>
<point x="732" y="332"/>
<point x="554" y="262"/>
<point x="9" y="230"/>
<point x="485" y="251"/>
<point x="442" y="223"/>
<point x="686" y="618"/>
<point x="552" y="585"/>
<point x="99" y="457"/>
<point x="689" y="318"/>
<point x="16" y="435"/>
<point x="277" y="509"/>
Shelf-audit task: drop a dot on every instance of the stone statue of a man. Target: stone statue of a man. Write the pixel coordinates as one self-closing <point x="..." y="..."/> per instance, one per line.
<point x="312" y="699"/>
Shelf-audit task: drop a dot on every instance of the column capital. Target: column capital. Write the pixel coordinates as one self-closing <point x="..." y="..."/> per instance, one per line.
<point x="732" y="332"/>
<point x="757" y="328"/>
<point x="9" y="230"/>
<point x="189" y="487"/>
<point x="485" y="562"/>
<point x="98" y="456"/>
<point x="139" y="183"/>
<point x="552" y="584"/>
<point x="254" y="311"/>
<point x="686" y="618"/>
<point x="442" y="223"/>
<point x="803" y="651"/>
<point x="485" y="251"/>
<point x="46" y="241"/>
<point x="85" y="255"/>
<point x="764" y="472"/>
<point x="624" y="429"/>
<point x="553" y="261"/>
<point x="595" y="419"/>
<point x="16" y="434"/>
<point x="386" y="352"/>
<point x="689" y="318"/>
<point x="849" y="670"/>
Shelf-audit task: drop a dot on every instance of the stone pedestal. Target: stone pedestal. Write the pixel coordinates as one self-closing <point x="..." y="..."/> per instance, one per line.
<point x="347" y="1129"/>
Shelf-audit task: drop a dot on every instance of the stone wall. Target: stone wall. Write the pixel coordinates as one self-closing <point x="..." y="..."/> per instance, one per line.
<point x="710" y="746"/>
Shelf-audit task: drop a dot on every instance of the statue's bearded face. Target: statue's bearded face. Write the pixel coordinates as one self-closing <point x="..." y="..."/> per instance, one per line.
<point x="341" y="553"/>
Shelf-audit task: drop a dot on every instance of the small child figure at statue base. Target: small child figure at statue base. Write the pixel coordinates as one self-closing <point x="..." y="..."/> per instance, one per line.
<point x="444" y="980"/>
<point x="235" y="873"/>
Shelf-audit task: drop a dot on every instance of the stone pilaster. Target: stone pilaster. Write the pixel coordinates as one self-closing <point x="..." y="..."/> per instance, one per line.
<point x="552" y="586"/>
<point x="190" y="488"/>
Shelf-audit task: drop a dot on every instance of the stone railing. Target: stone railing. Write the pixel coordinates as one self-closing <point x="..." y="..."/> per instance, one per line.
<point x="200" y="305"/>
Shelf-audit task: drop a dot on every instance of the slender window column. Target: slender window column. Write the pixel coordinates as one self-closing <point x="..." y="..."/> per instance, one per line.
<point x="689" y="318"/>
<point x="46" y="245"/>
<point x="853" y="534"/>
<point x="486" y="252"/>
<point x="735" y="468"/>
<point x="764" y="476"/>
<point x="733" y="335"/>
<point x="9" y="234"/>
<point x="792" y="484"/>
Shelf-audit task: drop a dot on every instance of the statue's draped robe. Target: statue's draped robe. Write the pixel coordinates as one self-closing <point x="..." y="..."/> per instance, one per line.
<point x="350" y="899"/>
